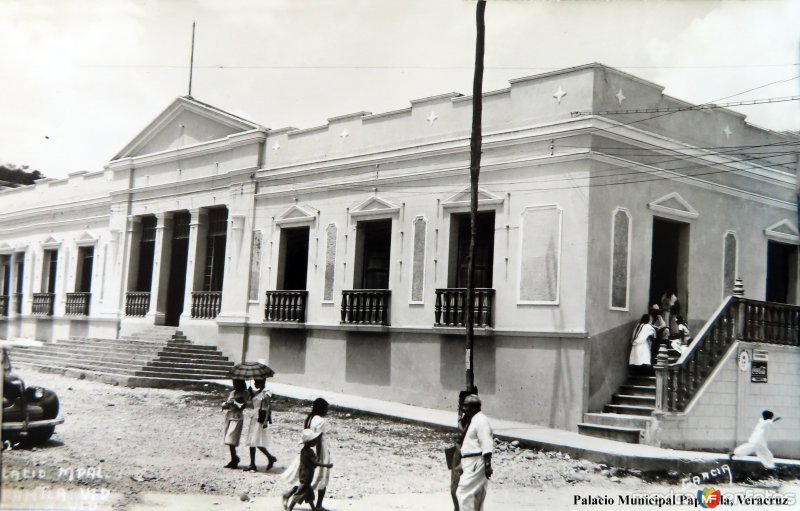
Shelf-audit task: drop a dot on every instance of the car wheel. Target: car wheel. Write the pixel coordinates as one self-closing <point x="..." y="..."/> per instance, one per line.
<point x="40" y="435"/>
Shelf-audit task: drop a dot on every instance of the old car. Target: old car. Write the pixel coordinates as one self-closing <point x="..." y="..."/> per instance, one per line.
<point x="30" y="413"/>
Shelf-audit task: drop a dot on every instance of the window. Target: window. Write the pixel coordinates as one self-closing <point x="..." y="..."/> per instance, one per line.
<point x="540" y="254"/>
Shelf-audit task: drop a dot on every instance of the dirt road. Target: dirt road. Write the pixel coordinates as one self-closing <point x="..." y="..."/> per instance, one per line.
<point x="120" y="444"/>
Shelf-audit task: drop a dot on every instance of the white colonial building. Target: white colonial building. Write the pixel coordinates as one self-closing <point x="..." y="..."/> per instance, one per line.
<point x="337" y="252"/>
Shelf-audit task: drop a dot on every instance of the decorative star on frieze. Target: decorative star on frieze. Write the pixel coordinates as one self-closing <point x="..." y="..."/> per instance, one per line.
<point x="620" y="96"/>
<point x="728" y="132"/>
<point x="276" y="146"/>
<point x="559" y="95"/>
<point x="344" y="134"/>
<point x="432" y="118"/>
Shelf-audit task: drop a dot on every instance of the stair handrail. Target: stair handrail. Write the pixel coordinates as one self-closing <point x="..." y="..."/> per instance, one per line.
<point x="703" y="333"/>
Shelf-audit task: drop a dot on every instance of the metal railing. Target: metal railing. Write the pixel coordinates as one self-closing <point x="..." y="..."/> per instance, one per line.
<point x="736" y="319"/>
<point x="450" y="308"/>
<point x="78" y="304"/>
<point x="288" y="306"/>
<point x="43" y="304"/>
<point x="366" y="306"/>
<point x="137" y="303"/>
<point x="206" y="304"/>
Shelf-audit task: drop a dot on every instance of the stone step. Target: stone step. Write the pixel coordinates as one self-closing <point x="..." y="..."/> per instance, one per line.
<point x="195" y="360"/>
<point x="187" y="364"/>
<point x="637" y="390"/>
<point x="101" y="343"/>
<point x="84" y="366"/>
<point x="190" y="353"/>
<point x="131" y="342"/>
<point x="641" y="381"/>
<point x="183" y="376"/>
<point x="629" y="409"/>
<point x="628" y="435"/>
<point x="87" y="350"/>
<point x="191" y="347"/>
<point x="79" y="353"/>
<point x="78" y="362"/>
<point x="624" y="399"/>
<point x="617" y="420"/>
<point x="220" y="373"/>
<point x="96" y="358"/>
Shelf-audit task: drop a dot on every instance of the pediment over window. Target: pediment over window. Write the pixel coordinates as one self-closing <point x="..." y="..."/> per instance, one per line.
<point x="86" y="239"/>
<point x="462" y="199"/>
<point x="375" y="206"/>
<point x="783" y="231"/>
<point x="184" y="123"/>
<point x="51" y="242"/>
<point x="5" y="248"/>
<point x="675" y="206"/>
<point x="297" y="214"/>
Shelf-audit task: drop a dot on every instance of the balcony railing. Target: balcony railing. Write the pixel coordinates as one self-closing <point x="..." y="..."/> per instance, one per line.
<point x="450" y="308"/>
<point x="288" y="306"/>
<point x="4" y="305"/>
<point x="137" y="303"/>
<point x="78" y="304"/>
<point x="43" y="304"/>
<point x="17" y="302"/>
<point x="736" y="319"/>
<point x="206" y="304"/>
<point x="366" y="306"/>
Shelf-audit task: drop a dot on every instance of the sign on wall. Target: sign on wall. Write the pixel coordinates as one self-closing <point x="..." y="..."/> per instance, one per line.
<point x="758" y="367"/>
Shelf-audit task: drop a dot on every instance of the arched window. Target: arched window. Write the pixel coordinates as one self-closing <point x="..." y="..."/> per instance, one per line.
<point x="620" y="258"/>
<point x="729" y="256"/>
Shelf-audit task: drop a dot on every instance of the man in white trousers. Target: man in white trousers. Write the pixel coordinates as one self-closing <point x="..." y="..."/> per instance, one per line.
<point x="757" y="443"/>
<point x="476" y="457"/>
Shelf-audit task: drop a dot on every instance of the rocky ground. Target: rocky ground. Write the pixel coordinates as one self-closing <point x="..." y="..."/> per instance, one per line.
<point x="129" y="442"/>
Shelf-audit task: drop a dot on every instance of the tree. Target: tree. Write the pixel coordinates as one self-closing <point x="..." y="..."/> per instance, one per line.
<point x="14" y="175"/>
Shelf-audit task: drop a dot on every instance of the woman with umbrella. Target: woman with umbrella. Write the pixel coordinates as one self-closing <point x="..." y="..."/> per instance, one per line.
<point x="238" y="399"/>
<point x="258" y="435"/>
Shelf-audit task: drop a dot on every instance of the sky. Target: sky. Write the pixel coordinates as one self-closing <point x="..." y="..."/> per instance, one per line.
<point x="79" y="79"/>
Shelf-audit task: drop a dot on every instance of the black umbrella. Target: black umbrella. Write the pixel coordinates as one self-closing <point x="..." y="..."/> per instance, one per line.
<point x="251" y="370"/>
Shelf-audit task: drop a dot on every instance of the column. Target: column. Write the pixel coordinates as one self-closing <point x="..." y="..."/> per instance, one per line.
<point x="161" y="262"/>
<point x="62" y="274"/>
<point x="198" y="228"/>
<point x="238" y="254"/>
<point x="12" y="284"/>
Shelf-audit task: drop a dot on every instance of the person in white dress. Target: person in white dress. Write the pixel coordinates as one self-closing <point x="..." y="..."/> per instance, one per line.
<point x="476" y="457"/>
<point x="238" y="399"/>
<point x="316" y="422"/>
<point x="258" y="434"/>
<point x="757" y="443"/>
<point x="642" y="338"/>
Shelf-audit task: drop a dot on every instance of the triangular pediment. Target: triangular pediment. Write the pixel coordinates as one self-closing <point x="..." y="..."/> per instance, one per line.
<point x="5" y="248"/>
<point x="375" y="206"/>
<point x="51" y="242"/>
<point x="462" y="198"/>
<point x="673" y="205"/>
<point x="86" y="238"/>
<point x="783" y="231"/>
<point x="297" y="214"/>
<point x="185" y="122"/>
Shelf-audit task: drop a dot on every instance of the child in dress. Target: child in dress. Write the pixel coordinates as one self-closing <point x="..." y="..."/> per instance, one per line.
<point x="258" y="435"/>
<point x="308" y="465"/>
<point x="237" y="400"/>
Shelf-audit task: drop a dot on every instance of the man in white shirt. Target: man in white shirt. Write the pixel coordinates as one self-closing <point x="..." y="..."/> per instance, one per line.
<point x="757" y="443"/>
<point x="476" y="457"/>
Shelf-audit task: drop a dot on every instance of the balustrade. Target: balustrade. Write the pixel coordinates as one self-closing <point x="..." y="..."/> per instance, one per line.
<point x="366" y="306"/>
<point x="43" y="304"/>
<point x="17" y="303"/>
<point x="137" y="303"/>
<point x="4" y="305"/>
<point x="289" y="306"/>
<point x="736" y="319"/>
<point x="450" y="308"/>
<point x="78" y="304"/>
<point x="206" y="304"/>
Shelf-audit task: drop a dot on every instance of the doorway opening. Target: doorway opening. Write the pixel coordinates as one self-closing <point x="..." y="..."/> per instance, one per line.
<point x="669" y="263"/>
<point x="373" y="249"/>
<point x="83" y="277"/>
<point x="781" y="272"/>
<point x="293" y="261"/>
<point x="459" y="250"/>
<point x="176" y="285"/>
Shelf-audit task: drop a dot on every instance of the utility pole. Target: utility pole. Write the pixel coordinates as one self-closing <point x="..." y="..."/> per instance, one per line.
<point x="474" y="174"/>
<point x="191" y="63"/>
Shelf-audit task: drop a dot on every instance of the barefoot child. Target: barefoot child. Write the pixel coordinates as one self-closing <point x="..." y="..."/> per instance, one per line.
<point x="308" y="465"/>
<point x="258" y="435"/>
<point x="757" y="443"/>
<point x="236" y="402"/>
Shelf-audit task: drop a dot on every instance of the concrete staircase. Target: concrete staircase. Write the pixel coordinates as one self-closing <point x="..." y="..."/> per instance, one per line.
<point x="154" y="357"/>
<point x="628" y="417"/>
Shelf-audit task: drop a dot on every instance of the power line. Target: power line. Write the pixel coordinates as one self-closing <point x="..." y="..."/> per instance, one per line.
<point x="703" y="107"/>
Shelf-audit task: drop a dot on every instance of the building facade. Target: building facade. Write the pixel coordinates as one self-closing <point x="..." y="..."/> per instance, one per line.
<point x="338" y="252"/>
